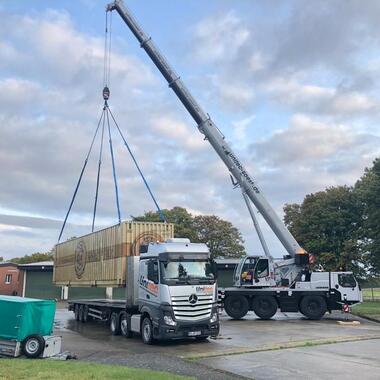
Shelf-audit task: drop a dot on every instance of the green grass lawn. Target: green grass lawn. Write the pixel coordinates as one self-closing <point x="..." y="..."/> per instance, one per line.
<point x="29" y="369"/>
<point x="367" y="294"/>
<point x="368" y="309"/>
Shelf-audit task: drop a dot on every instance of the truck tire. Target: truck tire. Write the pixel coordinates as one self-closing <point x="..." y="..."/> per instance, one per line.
<point x="147" y="331"/>
<point x="236" y="306"/>
<point x="76" y="312"/>
<point x="125" y="329"/>
<point x="81" y="313"/>
<point x="265" y="307"/>
<point x="313" y="307"/>
<point x="33" y="346"/>
<point x="86" y="317"/>
<point x="115" y="324"/>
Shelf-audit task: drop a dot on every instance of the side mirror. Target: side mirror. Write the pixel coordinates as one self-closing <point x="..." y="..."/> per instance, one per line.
<point x="152" y="272"/>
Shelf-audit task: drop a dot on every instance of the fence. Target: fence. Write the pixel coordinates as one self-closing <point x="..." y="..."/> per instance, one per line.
<point x="371" y="294"/>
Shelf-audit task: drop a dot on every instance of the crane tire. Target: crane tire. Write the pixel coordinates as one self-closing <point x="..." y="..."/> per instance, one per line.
<point x="265" y="307"/>
<point x="236" y="306"/>
<point x="313" y="307"/>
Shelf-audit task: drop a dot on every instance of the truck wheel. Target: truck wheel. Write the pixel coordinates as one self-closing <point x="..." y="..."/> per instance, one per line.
<point x="81" y="313"/>
<point x="147" y="331"/>
<point x="236" y="306"/>
<point x="86" y="317"/>
<point x="33" y="346"/>
<point x="76" y="312"/>
<point x="265" y="307"/>
<point x="124" y="325"/>
<point x="313" y="307"/>
<point x="115" y="324"/>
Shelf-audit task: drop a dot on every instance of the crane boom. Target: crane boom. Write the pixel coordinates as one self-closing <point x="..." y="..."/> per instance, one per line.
<point x="207" y="127"/>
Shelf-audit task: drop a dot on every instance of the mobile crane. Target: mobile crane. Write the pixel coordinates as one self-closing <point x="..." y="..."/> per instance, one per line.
<point x="261" y="284"/>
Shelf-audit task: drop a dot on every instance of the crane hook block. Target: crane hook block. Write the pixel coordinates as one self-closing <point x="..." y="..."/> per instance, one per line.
<point x="106" y="93"/>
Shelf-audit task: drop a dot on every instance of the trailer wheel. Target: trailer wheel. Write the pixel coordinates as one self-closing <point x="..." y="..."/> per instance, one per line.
<point x="236" y="306"/>
<point x="265" y="307"/>
<point x="147" y="331"/>
<point x="115" y="324"/>
<point x="76" y="312"/>
<point x="124" y="325"/>
<point x="33" y="346"/>
<point x="313" y="307"/>
<point x="85" y="316"/>
<point x="81" y="313"/>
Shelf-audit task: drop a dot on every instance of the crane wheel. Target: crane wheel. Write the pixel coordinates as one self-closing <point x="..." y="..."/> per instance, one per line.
<point x="265" y="307"/>
<point x="236" y="306"/>
<point x="313" y="307"/>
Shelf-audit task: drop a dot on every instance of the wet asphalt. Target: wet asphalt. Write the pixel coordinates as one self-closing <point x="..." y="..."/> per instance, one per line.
<point x="247" y="348"/>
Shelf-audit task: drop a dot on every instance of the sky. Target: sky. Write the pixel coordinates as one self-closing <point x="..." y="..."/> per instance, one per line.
<point x="293" y="85"/>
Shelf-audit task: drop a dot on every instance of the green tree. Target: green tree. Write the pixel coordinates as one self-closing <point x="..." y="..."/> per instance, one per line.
<point x="368" y="192"/>
<point x="1" y="259"/>
<point x="34" y="258"/>
<point x="328" y="224"/>
<point x="179" y="216"/>
<point x="221" y="237"/>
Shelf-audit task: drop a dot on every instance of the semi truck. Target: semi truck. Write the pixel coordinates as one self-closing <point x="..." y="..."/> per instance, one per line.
<point x="261" y="283"/>
<point x="170" y="289"/>
<point x="170" y="293"/>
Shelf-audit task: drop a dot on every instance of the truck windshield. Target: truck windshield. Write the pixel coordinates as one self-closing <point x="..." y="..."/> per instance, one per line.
<point x="191" y="272"/>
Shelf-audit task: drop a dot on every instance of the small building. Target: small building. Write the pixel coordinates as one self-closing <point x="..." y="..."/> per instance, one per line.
<point x="10" y="279"/>
<point x="226" y="269"/>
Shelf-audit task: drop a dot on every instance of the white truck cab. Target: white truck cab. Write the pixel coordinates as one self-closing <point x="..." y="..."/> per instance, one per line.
<point x="176" y="296"/>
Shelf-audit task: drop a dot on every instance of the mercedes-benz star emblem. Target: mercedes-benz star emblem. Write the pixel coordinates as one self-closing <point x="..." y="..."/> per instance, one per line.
<point x="193" y="299"/>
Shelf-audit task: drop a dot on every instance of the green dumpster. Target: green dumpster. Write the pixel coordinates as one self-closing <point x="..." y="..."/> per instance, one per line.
<point x="22" y="318"/>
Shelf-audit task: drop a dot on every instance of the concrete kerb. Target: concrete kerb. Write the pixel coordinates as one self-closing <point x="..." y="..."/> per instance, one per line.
<point x="281" y="346"/>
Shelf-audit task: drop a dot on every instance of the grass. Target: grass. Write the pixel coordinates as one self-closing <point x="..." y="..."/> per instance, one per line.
<point x="367" y="294"/>
<point x="368" y="309"/>
<point x="28" y="369"/>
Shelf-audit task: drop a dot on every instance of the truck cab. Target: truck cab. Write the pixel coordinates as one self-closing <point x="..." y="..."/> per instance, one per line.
<point x="176" y="295"/>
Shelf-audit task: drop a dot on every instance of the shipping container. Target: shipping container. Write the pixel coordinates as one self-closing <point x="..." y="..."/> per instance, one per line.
<point x="99" y="258"/>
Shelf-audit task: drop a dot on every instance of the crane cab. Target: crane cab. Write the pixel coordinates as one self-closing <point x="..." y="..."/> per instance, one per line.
<point x="254" y="271"/>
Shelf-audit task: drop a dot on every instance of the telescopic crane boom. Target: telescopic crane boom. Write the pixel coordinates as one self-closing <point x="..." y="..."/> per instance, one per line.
<point x="207" y="127"/>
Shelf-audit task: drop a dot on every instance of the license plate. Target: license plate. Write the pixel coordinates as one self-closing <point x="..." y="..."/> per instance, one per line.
<point x="194" y="333"/>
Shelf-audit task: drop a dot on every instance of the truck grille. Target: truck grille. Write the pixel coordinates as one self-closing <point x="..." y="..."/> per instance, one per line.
<point x="185" y="311"/>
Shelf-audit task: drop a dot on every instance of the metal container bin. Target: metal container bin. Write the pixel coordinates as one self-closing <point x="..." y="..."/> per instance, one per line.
<point x="99" y="258"/>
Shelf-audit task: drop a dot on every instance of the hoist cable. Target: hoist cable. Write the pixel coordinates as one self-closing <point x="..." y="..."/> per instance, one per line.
<point x="109" y="50"/>
<point x="105" y="59"/>
<point x="113" y="167"/>
<point x="80" y="176"/>
<point x="162" y="216"/>
<point x="98" y="176"/>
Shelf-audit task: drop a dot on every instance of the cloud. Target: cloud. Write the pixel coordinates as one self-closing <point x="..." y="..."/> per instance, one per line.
<point x="219" y="37"/>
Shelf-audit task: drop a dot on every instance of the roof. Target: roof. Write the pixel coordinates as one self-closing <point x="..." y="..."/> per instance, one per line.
<point x="42" y="265"/>
<point x="19" y="299"/>
<point x="221" y="261"/>
<point x="8" y="264"/>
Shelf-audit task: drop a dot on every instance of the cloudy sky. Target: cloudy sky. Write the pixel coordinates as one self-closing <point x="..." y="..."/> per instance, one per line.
<point x="293" y="85"/>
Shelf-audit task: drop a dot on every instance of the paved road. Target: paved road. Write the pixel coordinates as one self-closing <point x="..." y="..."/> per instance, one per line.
<point x="340" y="361"/>
<point x="233" y="350"/>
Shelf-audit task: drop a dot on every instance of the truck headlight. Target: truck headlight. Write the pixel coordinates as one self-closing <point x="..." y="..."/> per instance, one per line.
<point x="169" y="320"/>
<point x="214" y="318"/>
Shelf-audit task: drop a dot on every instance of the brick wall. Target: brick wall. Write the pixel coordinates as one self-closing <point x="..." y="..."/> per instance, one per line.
<point x="10" y="279"/>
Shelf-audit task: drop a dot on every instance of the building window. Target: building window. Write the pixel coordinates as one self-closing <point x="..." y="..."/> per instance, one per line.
<point x="8" y="278"/>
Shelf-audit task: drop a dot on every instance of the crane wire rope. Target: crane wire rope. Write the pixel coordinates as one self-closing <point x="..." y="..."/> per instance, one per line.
<point x="104" y="118"/>
<point x="81" y="176"/>
<point x="98" y="176"/>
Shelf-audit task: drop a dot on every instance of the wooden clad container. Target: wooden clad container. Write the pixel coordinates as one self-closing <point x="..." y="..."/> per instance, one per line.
<point x="99" y="258"/>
